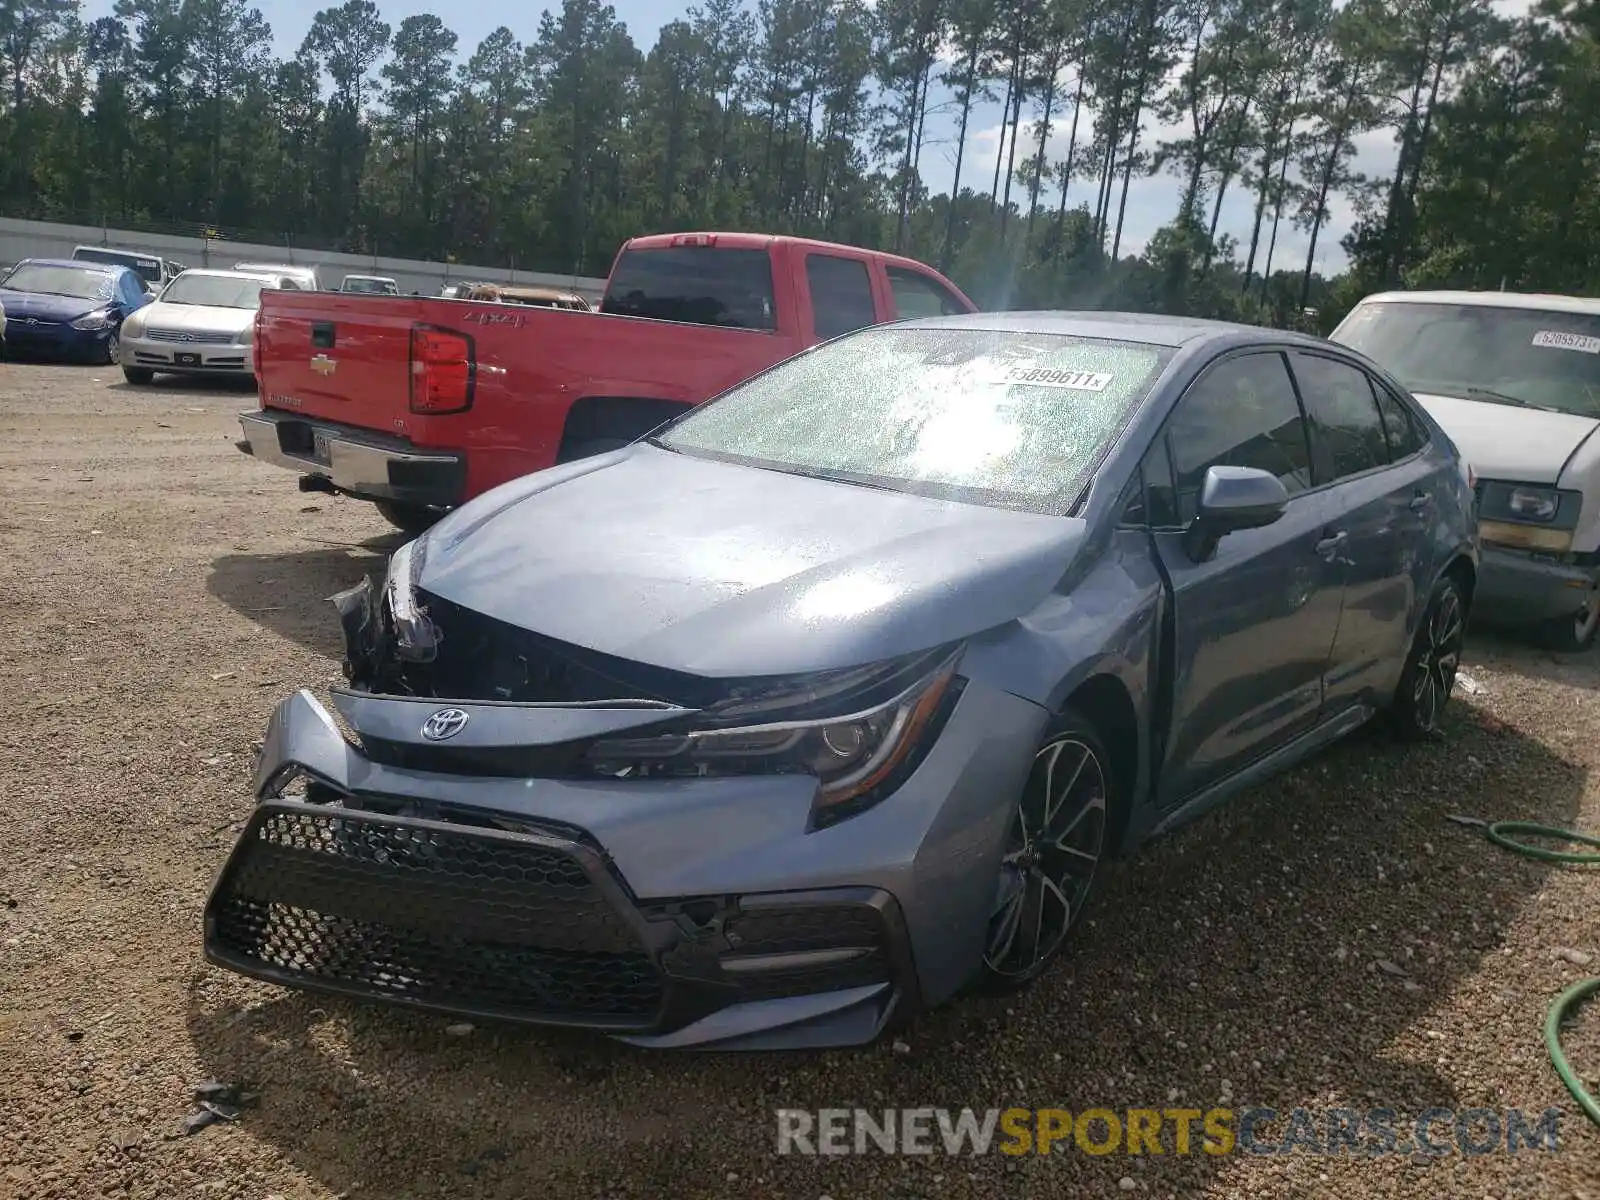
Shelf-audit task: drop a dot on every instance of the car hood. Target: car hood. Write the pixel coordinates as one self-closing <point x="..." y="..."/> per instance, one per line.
<point x="20" y="306"/>
<point x="1523" y="445"/>
<point x="196" y="318"/>
<point x="722" y="570"/>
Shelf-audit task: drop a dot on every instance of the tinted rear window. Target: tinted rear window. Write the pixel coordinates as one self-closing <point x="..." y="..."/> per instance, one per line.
<point x="701" y="285"/>
<point x="149" y="268"/>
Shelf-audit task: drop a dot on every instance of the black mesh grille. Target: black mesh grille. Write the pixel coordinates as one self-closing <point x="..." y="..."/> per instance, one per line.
<point x="801" y="929"/>
<point x="789" y="930"/>
<point x="870" y="968"/>
<point x="466" y="919"/>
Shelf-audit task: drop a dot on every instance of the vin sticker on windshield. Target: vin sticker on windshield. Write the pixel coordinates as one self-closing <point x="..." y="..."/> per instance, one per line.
<point x="1556" y="340"/>
<point x="1076" y="381"/>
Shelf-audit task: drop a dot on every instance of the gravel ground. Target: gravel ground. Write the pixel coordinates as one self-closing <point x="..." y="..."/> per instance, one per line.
<point x="161" y="594"/>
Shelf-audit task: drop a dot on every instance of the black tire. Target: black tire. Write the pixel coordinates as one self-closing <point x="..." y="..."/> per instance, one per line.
<point x="592" y="447"/>
<point x="1576" y="633"/>
<point x="139" y="376"/>
<point x="414" y="519"/>
<point x="1055" y="853"/>
<point x="1429" y="677"/>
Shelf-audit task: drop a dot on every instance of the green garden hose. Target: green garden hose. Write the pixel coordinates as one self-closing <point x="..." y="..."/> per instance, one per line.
<point x="1565" y="1002"/>
<point x="1499" y="833"/>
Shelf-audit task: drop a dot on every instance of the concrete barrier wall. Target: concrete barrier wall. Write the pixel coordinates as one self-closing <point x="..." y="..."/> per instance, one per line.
<point x="41" y="239"/>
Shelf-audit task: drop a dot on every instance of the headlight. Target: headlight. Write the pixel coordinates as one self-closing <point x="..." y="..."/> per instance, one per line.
<point x="245" y="336"/>
<point x="134" y="326"/>
<point x="92" y="321"/>
<point x="414" y="636"/>
<point x="1534" y="504"/>
<point x="851" y="755"/>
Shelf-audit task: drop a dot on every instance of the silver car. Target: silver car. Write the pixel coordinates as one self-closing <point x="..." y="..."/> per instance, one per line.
<point x="832" y="697"/>
<point x="202" y="323"/>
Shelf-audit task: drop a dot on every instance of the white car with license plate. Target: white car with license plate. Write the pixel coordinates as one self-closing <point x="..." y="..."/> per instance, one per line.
<point x="202" y="323"/>
<point x="1514" y="379"/>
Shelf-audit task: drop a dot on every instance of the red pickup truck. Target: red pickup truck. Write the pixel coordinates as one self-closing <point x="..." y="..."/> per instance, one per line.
<point x="421" y="404"/>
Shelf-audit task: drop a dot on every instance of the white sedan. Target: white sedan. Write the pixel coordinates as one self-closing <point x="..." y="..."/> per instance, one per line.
<point x="202" y="323"/>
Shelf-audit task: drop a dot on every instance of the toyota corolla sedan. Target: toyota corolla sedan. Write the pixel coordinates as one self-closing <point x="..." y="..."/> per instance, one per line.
<point x="833" y="697"/>
<point x="202" y="323"/>
<point x="67" y="309"/>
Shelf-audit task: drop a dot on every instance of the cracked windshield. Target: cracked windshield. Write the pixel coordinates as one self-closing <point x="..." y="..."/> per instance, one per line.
<point x="1522" y="357"/>
<point x="1009" y="419"/>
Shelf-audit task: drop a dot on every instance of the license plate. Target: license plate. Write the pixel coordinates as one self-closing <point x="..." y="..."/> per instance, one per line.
<point x="319" y="446"/>
<point x="186" y="360"/>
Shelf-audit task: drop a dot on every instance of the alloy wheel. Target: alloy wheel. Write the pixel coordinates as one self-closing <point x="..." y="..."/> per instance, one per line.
<point x="113" y="350"/>
<point x="1438" y="659"/>
<point x="1057" y="838"/>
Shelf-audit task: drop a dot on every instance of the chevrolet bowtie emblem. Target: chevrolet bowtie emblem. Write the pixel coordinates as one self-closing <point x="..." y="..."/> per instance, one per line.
<point x="323" y="365"/>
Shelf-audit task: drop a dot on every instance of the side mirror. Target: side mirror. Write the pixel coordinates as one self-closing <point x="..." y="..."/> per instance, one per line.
<point x="1231" y="499"/>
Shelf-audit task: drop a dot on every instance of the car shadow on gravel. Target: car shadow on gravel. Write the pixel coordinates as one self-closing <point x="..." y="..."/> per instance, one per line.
<point x="1292" y="948"/>
<point x="188" y="385"/>
<point x="288" y="593"/>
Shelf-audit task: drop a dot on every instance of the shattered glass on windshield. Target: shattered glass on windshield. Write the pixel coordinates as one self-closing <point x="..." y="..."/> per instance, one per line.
<point x="1011" y="419"/>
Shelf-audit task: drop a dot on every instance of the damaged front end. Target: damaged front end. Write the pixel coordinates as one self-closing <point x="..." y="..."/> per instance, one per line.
<point x="437" y="873"/>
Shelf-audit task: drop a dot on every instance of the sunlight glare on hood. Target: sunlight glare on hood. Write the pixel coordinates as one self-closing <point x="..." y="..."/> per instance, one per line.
<point x="846" y="596"/>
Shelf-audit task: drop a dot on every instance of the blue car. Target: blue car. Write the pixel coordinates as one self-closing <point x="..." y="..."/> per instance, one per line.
<point x="835" y="696"/>
<point x="65" y="309"/>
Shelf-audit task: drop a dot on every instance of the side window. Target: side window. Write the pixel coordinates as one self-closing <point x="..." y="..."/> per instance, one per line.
<point x="1161" y="498"/>
<point x="1343" y="413"/>
<point x="1240" y="413"/>
<point x="841" y="294"/>
<point x="916" y="295"/>
<point x="1405" y="439"/>
<point x="1134" y="514"/>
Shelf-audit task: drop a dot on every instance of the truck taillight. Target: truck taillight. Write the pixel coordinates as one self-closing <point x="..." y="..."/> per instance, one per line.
<point x="255" y="346"/>
<point x="443" y="370"/>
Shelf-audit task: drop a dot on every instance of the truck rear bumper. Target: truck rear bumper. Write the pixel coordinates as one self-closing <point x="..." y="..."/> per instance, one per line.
<point x="355" y="461"/>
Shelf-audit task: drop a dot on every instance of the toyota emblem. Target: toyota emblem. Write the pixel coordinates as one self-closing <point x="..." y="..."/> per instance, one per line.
<point x="444" y="724"/>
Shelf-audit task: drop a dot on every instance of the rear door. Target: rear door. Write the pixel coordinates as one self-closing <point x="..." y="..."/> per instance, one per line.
<point x="1254" y="625"/>
<point x="1379" y="509"/>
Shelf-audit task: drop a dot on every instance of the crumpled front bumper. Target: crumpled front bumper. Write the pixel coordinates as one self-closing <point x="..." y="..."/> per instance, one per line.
<point x="674" y="913"/>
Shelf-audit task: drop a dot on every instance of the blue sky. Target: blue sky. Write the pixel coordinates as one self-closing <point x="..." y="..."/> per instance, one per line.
<point x="1151" y="202"/>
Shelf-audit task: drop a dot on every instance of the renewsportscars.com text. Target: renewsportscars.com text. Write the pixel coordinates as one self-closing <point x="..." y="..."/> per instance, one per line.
<point x="1156" y="1131"/>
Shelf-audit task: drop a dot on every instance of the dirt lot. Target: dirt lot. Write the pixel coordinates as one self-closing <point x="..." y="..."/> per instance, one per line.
<point x="161" y="594"/>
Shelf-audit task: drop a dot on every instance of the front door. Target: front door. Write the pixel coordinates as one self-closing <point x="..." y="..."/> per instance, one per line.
<point x="1255" y="624"/>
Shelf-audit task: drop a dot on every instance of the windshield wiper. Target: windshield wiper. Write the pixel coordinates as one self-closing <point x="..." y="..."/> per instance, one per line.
<point x="1505" y="398"/>
<point x="835" y="477"/>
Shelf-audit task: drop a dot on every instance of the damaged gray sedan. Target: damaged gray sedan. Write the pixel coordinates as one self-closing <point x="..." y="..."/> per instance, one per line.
<point x="835" y="696"/>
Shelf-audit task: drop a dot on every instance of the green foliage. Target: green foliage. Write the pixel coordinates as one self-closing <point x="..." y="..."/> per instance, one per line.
<point x="811" y="117"/>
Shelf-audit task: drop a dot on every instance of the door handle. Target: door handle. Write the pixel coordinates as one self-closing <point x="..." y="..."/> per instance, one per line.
<point x="1421" y="501"/>
<point x="1332" y="544"/>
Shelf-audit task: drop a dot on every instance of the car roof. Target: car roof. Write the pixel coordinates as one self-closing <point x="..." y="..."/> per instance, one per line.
<point x="78" y="264"/>
<point x="119" y="250"/>
<point x="1541" y="301"/>
<point x="219" y="273"/>
<point x="1153" y="329"/>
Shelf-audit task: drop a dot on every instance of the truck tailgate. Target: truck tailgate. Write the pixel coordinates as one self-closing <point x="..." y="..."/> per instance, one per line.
<point x="338" y="358"/>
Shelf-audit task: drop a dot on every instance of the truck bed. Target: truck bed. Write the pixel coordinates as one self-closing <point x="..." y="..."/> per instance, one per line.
<point x="347" y="359"/>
